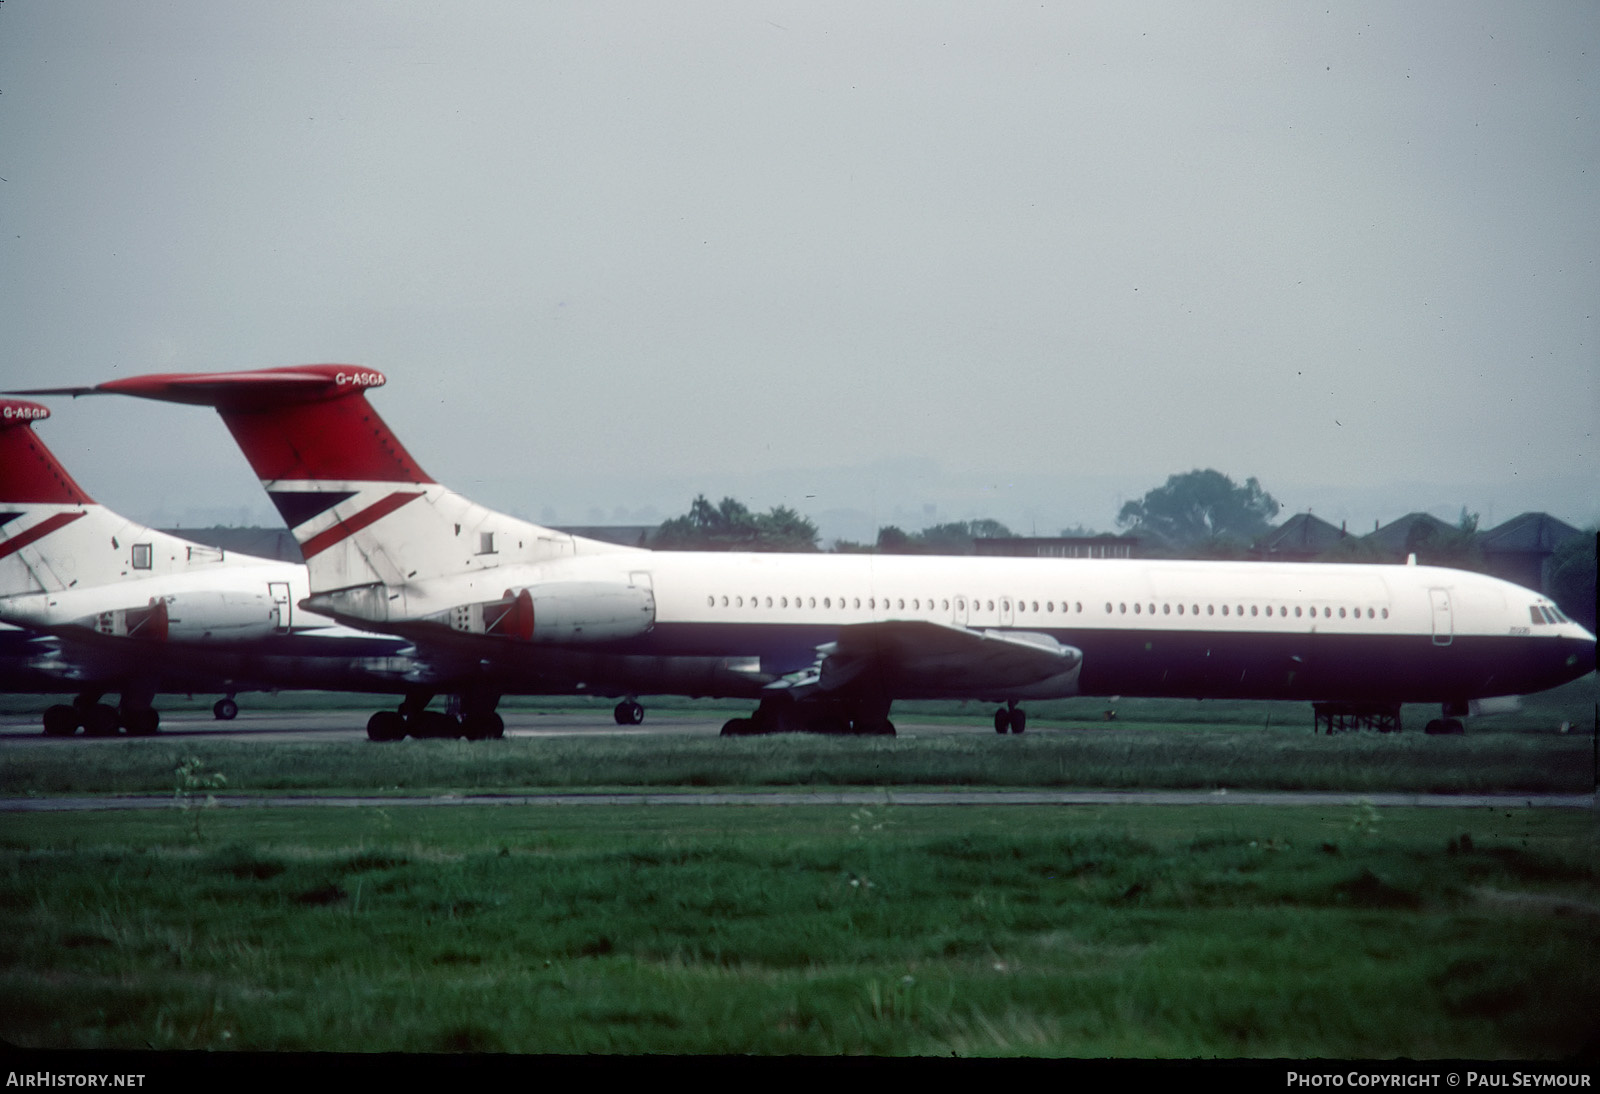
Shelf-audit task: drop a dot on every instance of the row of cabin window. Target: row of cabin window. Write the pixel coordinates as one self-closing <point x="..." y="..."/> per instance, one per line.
<point x="1049" y="606"/>
<point x="872" y="603"/>
<point x="1255" y="610"/>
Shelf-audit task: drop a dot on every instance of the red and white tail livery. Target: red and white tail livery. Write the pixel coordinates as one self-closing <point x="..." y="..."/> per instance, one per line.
<point x="137" y="611"/>
<point x="368" y="519"/>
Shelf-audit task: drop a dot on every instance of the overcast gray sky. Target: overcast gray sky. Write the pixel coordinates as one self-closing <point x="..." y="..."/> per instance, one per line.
<point x="879" y="262"/>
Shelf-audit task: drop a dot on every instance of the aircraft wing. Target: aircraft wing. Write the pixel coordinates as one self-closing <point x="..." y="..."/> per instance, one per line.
<point x="920" y="659"/>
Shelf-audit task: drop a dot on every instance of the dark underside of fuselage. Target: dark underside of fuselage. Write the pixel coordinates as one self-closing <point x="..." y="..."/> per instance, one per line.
<point x="1377" y="668"/>
<point x="291" y="661"/>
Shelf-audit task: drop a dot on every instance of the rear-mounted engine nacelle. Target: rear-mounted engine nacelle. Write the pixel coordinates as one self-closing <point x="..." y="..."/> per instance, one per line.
<point x="194" y="617"/>
<point x="568" y="613"/>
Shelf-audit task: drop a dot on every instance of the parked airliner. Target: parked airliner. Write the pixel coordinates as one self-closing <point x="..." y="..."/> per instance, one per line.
<point x="112" y="606"/>
<point x="828" y="642"/>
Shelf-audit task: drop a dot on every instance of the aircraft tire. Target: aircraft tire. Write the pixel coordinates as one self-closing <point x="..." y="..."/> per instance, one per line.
<point x="386" y="725"/>
<point x="433" y="723"/>
<point x="738" y="727"/>
<point x="483" y="727"/>
<point x="101" y="720"/>
<point x="831" y="725"/>
<point x="628" y="713"/>
<point x="1002" y="721"/>
<point x="225" y="710"/>
<point x="144" y="722"/>
<point x="1018" y="719"/>
<point x="61" y="720"/>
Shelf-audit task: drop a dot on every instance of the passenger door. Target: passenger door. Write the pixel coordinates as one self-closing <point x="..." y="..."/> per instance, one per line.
<point x="279" y="591"/>
<point x="1443" y="623"/>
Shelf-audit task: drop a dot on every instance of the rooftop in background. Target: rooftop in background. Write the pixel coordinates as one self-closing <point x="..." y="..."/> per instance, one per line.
<point x="1537" y="532"/>
<point x="1400" y="536"/>
<point x="1300" y="538"/>
<point x="1520" y="549"/>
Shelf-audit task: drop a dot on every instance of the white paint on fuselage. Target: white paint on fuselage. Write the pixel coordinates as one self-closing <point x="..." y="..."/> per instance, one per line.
<point x="758" y="589"/>
<point x="92" y="566"/>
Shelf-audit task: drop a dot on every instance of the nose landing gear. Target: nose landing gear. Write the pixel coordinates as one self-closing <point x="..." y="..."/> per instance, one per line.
<point x="1010" y="717"/>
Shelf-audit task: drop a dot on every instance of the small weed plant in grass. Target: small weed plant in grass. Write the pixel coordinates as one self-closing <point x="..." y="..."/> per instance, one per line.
<point x="190" y="780"/>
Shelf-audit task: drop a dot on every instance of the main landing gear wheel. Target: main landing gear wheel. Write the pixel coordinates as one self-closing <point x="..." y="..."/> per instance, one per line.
<point x="142" y="722"/>
<point x="100" y="720"/>
<point x="628" y="713"/>
<point x="476" y="720"/>
<point x="386" y="725"/>
<point x="61" y="720"/>
<point x="433" y="723"/>
<point x="225" y="710"/>
<point x="483" y="727"/>
<point x="1013" y="718"/>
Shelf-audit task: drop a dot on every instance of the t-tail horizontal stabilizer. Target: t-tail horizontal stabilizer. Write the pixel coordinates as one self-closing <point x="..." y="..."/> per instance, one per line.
<point x="374" y="528"/>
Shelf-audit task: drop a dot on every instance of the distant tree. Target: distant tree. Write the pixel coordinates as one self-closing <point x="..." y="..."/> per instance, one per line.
<point x="1572" y="577"/>
<point x="1219" y="548"/>
<point x="731" y="526"/>
<point x="987" y="529"/>
<point x="1201" y="511"/>
<point x="955" y="538"/>
<point x="892" y="541"/>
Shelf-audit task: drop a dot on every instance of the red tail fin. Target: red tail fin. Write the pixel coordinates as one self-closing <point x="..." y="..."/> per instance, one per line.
<point x="29" y="473"/>
<point x="305" y="423"/>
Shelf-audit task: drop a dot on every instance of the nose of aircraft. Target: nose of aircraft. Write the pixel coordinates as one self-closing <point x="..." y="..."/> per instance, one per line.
<point x="1580" y="654"/>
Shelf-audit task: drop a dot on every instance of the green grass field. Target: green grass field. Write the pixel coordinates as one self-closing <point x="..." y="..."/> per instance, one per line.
<point x="1132" y="756"/>
<point x="1129" y="931"/>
